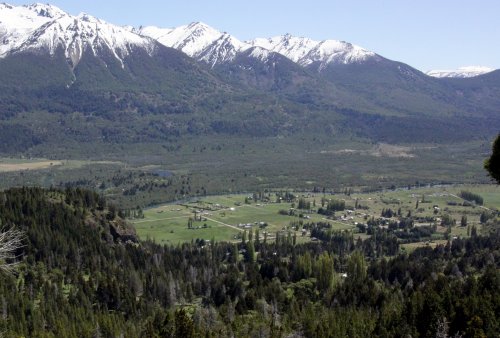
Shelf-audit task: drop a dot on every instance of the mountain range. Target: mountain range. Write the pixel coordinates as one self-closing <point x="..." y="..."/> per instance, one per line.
<point x="46" y="27"/>
<point x="194" y="79"/>
<point x="209" y="45"/>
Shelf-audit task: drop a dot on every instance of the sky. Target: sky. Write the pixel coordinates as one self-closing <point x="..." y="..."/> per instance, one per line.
<point x="426" y="34"/>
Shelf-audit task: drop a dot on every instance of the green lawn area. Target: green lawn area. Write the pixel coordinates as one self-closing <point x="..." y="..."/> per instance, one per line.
<point x="168" y="224"/>
<point x="225" y="217"/>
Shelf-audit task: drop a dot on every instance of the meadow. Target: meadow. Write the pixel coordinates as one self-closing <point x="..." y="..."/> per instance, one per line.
<point x="226" y="217"/>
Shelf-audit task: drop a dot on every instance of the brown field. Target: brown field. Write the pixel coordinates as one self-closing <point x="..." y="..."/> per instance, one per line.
<point x="9" y="167"/>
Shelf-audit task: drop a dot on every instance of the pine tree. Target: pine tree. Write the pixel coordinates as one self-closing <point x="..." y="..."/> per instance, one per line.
<point x="356" y="268"/>
<point x="184" y="326"/>
<point x="463" y="221"/>
<point x="492" y="164"/>
<point x="250" y="252"/>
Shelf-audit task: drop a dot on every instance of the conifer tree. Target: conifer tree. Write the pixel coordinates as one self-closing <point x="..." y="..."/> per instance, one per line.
<point x="492" y="164"/>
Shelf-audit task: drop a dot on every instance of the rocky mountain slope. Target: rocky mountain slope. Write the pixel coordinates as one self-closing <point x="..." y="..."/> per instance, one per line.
<point x="159" y="85"/>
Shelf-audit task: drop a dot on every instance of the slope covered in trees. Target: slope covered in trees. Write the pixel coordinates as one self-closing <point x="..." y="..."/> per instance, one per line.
<point x="170" y="97"/>
<point x="83" y="273"/>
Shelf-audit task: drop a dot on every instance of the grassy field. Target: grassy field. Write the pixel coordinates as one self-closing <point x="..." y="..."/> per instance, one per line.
<point x="225" y="217"/>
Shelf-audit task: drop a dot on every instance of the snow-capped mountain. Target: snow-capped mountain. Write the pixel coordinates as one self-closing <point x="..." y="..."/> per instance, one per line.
<point x="43" y="27"/>
<point x="191" y="39"/>
<point x="46" y="28"/>
<point x="199" y="41"/>
<point x="462" y="72"/>
<point x="223" y="49"/>
<point x="293" y="48"/>
<point x="305" y="51"/>
<point x="209" y="45"/>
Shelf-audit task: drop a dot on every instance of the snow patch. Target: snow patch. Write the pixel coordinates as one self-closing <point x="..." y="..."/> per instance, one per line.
<point x="261" y="54"/>
<point x="462" y="72"/>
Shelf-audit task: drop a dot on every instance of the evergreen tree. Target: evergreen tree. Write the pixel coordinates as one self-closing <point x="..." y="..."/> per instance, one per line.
<point x="184" y="326"/>
<point x="492" y="164"/>
<point x="250" y="252"/>
<point x="356" y="268"/>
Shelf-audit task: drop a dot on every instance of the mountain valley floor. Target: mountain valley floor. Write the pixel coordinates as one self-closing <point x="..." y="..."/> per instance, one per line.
<point x="150" y="174"/>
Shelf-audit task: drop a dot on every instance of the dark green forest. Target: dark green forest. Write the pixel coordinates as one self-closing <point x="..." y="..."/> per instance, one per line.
<point x="84" y="273"/>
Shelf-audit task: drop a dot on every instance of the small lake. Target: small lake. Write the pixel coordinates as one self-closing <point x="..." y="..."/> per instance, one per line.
<point x="163" y="173"/>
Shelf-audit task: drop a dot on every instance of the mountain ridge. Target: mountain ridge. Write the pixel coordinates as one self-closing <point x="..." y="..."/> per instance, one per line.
<point x="38" y="26"/>
<point x="199" y="41"/>
<point x="127" y="93"/>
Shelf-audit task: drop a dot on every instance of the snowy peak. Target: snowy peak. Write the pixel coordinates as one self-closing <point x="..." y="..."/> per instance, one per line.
<point x="45" y="28"/>
<point x="260" y="54"/>
<point x="209" y="45"/>
<point x="45" y="10"/>
<point x="30" y="12"/>
<point x="197" y="40"/>
<point x="191" y="39"/>
<point x="462" y="72"/>
<point x="222" y="50"/>
<point x="16" y="23"/>
<point x="305" y="51"/>
<point x="336" y="52"/>
<point x="294" y="48"/>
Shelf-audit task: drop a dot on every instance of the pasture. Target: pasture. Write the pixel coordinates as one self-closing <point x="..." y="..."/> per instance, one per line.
<point x="223" y="217"/>
<point x="227" y="217"/>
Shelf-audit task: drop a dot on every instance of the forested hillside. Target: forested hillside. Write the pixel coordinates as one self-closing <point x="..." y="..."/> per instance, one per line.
<point x="83" y="273"/>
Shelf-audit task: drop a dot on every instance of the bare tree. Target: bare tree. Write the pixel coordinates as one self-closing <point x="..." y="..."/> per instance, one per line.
<point x="10" y="240"/>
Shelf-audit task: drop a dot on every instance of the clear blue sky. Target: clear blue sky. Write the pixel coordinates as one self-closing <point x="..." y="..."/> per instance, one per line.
<point x="426" y="34"/>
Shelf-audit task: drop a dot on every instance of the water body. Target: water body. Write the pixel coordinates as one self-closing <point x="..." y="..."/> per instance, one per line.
<point x="163" y="173"/>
